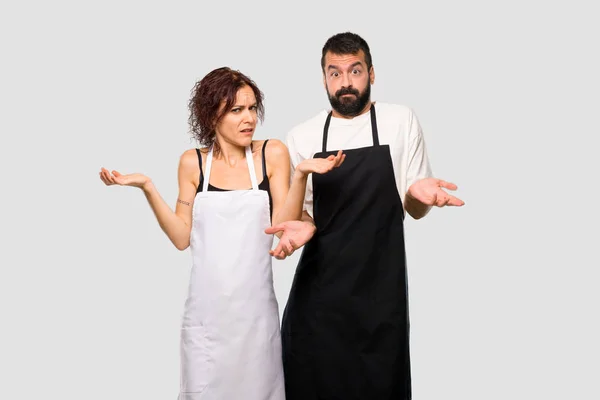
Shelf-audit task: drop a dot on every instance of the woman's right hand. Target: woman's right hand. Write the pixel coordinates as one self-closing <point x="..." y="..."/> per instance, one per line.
<point x="320" y="165"/>
<point x="116" y="178"/>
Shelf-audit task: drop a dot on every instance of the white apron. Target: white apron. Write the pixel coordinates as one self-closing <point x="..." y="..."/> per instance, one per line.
<point x="230" y="335"/>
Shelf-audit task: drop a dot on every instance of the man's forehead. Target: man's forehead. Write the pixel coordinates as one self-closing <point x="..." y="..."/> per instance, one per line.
<point x="342" y="60"/>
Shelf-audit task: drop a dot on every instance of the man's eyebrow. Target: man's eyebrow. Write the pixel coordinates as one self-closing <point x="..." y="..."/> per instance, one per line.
<point x="336" y="67"/>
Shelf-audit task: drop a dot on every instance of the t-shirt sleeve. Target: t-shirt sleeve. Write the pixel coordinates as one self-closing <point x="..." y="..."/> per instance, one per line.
<point x="295" y="159"/>
<point x="418" y="161"/>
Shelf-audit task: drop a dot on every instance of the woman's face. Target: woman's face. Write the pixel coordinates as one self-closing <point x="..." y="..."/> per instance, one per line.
<point x="238" y="124"/>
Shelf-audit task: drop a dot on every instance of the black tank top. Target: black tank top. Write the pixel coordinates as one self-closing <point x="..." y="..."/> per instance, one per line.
<point x="263" y="185"/>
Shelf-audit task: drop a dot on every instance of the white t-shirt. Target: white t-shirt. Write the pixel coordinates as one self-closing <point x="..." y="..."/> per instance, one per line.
<point x="397" y="126"/>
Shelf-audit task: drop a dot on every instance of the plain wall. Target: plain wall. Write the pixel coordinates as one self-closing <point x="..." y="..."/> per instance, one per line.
<point x="503" y="298"/>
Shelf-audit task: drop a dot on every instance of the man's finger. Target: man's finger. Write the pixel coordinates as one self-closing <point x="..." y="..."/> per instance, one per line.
<point x="274" y="229"/>
<point x="288" y="249"/>
<point x="278" y="248"/>
<point x="447" y="185"/>
<point x="442" y="200"/>
<point x="455" y="201"/>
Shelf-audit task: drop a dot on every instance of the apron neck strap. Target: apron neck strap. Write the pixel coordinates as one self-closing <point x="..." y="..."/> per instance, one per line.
<point x="251" y="169"/>
<point x="249" y="160"/>
<point x="373" y="128"/>
<point x="209" y="159"/>
<point x="374" y="131"/>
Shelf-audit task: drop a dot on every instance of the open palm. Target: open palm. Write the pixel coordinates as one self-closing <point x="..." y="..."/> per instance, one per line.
<point x="321" y="165"/>
<point x="430" y="191"/>
<point x="295" y="235"/>
<point x="116" y="178"/>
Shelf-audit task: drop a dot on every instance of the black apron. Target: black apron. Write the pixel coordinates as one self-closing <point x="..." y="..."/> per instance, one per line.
<point x="345" y="328"/>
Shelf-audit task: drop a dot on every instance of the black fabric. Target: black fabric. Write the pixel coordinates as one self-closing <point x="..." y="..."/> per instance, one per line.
<point x="263" y="185"/>
<point x="345" y="328"/>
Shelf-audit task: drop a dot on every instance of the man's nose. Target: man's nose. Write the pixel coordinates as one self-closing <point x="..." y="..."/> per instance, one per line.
<point x="346" y="80"/>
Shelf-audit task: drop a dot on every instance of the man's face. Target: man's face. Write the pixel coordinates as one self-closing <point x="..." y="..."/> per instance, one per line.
<point x="348" y="82"/>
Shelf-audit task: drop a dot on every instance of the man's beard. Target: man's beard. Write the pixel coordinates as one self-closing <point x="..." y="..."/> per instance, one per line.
<point x="351" y="106"/>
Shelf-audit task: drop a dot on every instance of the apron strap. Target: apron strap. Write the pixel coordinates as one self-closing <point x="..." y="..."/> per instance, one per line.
<point x="325" y="130"/>
<point x="374" y="131"/>
<point x="374" y="126"/>
<point x="208" y="165"/>
<point x="250" y="162"/>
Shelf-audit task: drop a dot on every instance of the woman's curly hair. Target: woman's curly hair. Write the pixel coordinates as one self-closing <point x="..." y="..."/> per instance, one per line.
<point x="206" y="104"/>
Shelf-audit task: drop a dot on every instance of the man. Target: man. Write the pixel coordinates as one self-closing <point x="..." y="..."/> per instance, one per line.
<point x="345" y="328"/>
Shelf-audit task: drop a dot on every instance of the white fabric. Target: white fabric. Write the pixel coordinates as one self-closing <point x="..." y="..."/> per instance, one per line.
<point x="398" y="127"/>
<point x="230" y="336"/>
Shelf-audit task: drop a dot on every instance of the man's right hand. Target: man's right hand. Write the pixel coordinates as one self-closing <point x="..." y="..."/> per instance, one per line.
<point x="295" y="235"/>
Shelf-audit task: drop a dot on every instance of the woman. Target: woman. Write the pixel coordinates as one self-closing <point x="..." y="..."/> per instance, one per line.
<point x="230" y="191"/>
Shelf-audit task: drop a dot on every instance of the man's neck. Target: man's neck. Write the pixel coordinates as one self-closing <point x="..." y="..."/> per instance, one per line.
<point x="367" y="107"/>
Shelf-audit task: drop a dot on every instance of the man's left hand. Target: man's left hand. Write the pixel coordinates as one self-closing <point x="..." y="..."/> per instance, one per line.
<point x="429" y="191"/>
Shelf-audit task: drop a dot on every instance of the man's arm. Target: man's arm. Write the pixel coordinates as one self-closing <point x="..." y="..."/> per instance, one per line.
<point x="418" y="168"/>
<point x="424" y="191"/>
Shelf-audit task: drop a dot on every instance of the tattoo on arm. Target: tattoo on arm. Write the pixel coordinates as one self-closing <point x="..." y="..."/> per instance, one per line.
<point x="183" y="202"/>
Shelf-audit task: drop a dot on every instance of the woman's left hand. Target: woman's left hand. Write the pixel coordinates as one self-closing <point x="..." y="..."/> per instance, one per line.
<point x="320" y="165"/>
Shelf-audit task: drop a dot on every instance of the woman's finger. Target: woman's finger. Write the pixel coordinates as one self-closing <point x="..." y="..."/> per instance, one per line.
<point x="103" y="179"/>
<point x="107" y="177"/>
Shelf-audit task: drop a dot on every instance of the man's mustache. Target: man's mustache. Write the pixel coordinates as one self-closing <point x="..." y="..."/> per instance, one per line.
<point x="344" y="91"/>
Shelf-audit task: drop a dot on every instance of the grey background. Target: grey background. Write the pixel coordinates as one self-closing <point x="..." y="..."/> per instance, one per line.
<point x="502" y="291"/>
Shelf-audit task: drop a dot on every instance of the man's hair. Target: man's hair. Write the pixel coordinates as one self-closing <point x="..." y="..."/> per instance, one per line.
<point x="346" y="43"/>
